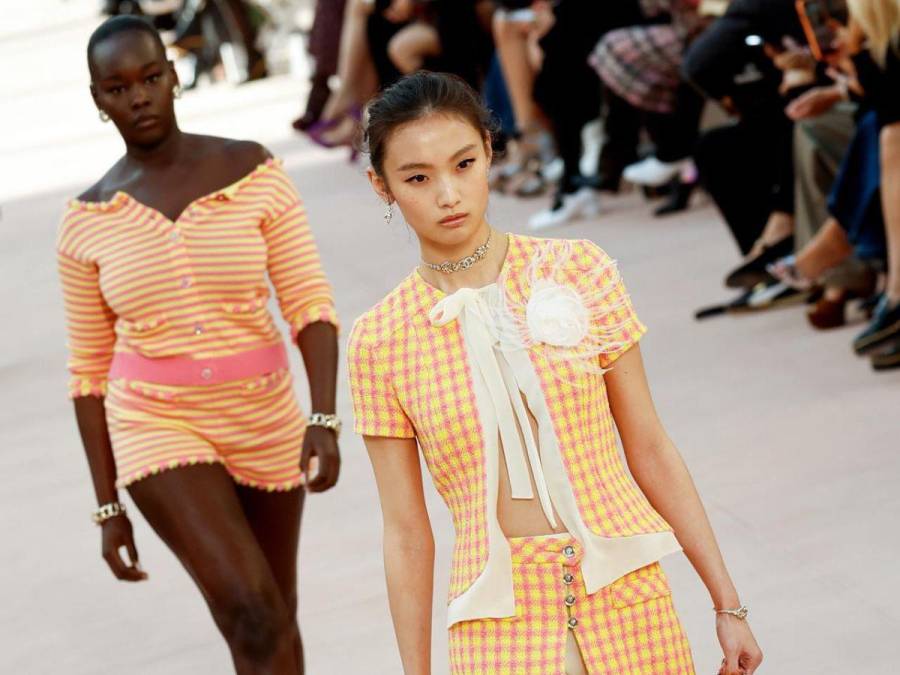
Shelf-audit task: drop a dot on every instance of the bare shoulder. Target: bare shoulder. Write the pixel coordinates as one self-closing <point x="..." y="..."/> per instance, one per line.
<point x="106" y="187"/>
<point x="240" y="156"/>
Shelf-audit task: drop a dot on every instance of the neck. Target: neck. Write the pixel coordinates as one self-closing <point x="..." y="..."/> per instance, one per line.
<point x="163" y="154"/>
<point x="482" y="273"/>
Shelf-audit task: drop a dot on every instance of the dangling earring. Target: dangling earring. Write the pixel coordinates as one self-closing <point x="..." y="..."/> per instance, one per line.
<point x="176" y="91"/>
<point x="103" y="116"/>
<point x="389" y="214"/>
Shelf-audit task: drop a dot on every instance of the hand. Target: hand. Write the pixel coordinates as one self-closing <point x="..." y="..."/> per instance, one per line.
<point x="796" y="63"/>
<point x="793" y="56"/>
<point x="399" y="11"/>
<point x="742" y="654"/>
<point x="117" y="533"/>
<point x="320" y="443"/>
<point x="814" y="102"/>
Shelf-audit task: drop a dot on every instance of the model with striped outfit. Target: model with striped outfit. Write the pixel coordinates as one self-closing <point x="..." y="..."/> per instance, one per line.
<point x="179" y="376"/>
<point x="508" y="360"/>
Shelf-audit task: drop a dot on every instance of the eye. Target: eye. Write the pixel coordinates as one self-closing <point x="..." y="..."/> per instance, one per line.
<point x="466" y="163"/>
<point x="418" y="178"/>
<point x="153" y="78"/>
<point x="118" y="89"/>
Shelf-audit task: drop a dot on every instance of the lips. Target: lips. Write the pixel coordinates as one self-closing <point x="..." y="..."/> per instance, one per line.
<point x="146" y="121"/>
<point x="453" y="219"/>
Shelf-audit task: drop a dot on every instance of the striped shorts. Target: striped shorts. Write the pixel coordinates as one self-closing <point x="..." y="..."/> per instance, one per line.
<point x="252" y="426"/>
<point x="627" y="628"/>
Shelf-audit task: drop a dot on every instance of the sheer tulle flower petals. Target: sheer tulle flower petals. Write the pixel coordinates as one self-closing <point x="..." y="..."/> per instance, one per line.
<point x="556" y="315"/>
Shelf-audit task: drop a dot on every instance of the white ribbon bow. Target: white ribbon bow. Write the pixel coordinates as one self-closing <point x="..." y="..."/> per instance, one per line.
<point x="480" y="331"/>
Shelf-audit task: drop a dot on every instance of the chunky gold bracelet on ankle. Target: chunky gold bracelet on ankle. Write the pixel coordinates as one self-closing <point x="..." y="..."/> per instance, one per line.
<point x="741" y="612"/>
<point x="107" y="511"/>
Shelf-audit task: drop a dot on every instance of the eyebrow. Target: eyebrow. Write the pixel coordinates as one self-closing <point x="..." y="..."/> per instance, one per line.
<point x="116" y="76"/>
<point x="419" y="165"/>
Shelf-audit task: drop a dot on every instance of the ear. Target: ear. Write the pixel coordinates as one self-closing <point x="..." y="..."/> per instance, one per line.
<point x="173" y="72"/>
<point x="379" y="185"/>
<point x="488" y="147"/>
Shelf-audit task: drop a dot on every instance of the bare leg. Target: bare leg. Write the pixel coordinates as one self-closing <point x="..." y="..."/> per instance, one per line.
<point x="574" y="662"/>
<point x="829" y="247"/>
<point x="274" y="518"/>
<point x="358" y="79"/>
<point x="512" y="41"/>
<point x="890" y="199"/>
<point x="779" y="226"/>
<point x="409" y="48"/>
<point x="196" y="511"/>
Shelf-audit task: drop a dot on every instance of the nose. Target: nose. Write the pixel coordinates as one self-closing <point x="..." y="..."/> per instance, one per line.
<point x="139" y="96"/>
<point x="448" y="194"/>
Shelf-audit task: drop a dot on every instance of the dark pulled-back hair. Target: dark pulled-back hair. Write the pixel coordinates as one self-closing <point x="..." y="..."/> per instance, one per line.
<point x="121" y="24"/>
<point x="414" y="97"/>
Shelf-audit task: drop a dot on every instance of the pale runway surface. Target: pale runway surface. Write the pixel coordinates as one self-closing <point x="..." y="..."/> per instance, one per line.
<point x="793" y="442"/>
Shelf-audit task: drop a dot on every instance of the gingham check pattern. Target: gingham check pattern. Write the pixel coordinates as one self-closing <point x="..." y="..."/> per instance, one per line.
<point x="627" y="628"/>
<point x="409" y="379"/>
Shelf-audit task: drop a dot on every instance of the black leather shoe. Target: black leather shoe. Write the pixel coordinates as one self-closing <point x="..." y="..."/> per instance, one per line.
<point x="885" y="325"/>
<point x="888" y="359"/>
<point x="754" y="271"/>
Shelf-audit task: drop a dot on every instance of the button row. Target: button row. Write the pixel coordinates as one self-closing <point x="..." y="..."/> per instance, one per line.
<point x="568" y="580"/>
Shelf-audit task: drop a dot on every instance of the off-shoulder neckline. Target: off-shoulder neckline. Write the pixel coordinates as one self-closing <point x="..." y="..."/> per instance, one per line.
<point x="121" y="197"/>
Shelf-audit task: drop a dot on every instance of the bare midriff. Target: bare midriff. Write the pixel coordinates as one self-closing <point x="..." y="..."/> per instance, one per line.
<point x="523" y="517"/>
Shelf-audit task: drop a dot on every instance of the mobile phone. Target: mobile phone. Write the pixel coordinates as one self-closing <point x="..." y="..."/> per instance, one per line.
<point x="819" y="26"/>
<point x="521" y="16"/>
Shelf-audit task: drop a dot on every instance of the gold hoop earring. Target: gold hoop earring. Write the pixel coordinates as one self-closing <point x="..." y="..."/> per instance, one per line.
<point x="389" y="213"/>
<point x="103" y="116"/>
<point x="176" y="91"/>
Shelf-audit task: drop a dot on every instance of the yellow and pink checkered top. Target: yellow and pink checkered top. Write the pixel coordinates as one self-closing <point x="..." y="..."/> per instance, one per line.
<point x="452" y="370"/>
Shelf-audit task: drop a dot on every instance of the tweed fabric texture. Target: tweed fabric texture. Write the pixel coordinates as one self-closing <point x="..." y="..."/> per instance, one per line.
<point x="410" y="378"/>
<point x="627" y="628"/>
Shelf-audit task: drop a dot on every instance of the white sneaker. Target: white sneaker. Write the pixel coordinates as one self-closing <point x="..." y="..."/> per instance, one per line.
<point x="580" y="204"/>
<point x="652" y="172"/>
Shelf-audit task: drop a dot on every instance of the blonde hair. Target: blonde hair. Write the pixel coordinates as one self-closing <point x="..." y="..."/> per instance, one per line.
<point x="880" y="21"/>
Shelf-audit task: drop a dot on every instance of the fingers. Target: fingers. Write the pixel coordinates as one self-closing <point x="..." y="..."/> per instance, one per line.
<point x="118" y="542"/>
<point x="320" y="460"/>
<point x="750" y="660"/>
<point x="329" y="469"/>
<point x="123" y="572"/>
<point x="731" y="666"/>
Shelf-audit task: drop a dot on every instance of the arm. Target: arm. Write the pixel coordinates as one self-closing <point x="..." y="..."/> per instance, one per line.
<point x="305" y="298"/>
<point x="660" y="472"/>
<point x="408" y="547"/>
<point x="319" y="348"/>
<point x="89" y="324"/>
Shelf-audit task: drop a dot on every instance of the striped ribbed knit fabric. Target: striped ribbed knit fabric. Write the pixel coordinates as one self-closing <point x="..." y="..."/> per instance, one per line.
<point x="136" y="282"/>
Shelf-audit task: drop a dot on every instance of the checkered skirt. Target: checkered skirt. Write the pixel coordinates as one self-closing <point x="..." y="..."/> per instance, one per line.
<point x="627" y="628"/>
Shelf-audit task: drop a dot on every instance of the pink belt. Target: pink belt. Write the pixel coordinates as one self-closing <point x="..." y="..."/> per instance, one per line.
<point x="186" y="371"/>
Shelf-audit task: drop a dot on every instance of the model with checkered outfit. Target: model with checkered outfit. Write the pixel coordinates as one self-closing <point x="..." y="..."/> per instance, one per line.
<point x="508" y="360"/>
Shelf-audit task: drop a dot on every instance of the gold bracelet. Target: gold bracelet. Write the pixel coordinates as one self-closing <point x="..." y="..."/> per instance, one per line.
<point x="107" y="511"/>
<point x="741" y="612"/>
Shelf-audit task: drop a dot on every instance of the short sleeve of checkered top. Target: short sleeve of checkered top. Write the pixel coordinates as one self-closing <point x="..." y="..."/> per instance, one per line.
<point x="617" y="310"/>
<point x="376" y="408"/>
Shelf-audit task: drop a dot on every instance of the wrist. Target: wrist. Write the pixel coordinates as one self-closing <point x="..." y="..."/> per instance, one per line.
<point x="725" y="598"/>
<point x="328" y="421"/>
<point x="107" y="512"/>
